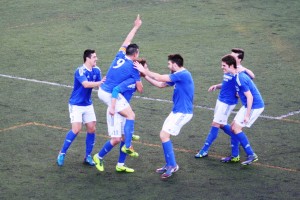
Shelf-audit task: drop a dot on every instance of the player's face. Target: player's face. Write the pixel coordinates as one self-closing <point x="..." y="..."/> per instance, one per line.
<point x="225" y="68"/>
<point x="93" y="60"/>
<point x="171" y="66"/>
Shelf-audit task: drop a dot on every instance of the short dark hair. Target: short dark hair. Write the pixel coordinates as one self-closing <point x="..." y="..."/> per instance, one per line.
<point x="132" y="49"/>
<point x="229" y="60"/>
<point x="240" y="52"/>
<point x="176" y="58"/>
<point x="88" y="53"/>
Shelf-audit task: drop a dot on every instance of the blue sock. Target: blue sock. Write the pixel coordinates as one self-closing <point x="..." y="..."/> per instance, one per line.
<point x="245" y="143"/>
<point x="169" y="153"/>
<point x="166" y="157"/>
<point x="128" y="131"/>
<point x="235" y="151"/>
<point x="233" y="140"/>
<point x="212" y="135"/>
<point x="68" y="141"/>
<point x="105" y="149"/>
<point x="123" y="155"/>
<point x="89" y="143"/>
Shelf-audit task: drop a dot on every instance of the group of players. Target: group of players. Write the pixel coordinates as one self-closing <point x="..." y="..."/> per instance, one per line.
<point x="124" y="78"/>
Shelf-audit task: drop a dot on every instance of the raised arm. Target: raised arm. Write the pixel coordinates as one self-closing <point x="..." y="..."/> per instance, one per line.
<point x="131" y="34"/>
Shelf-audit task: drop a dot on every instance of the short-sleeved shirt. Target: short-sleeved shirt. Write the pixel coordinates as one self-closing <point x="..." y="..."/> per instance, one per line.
<point x="228" y="92"/>
<point x="245" y="84"/>
<point x="183" y="96"/>
<point x="127" y="88"/>
<point x="121" y="69"/>
<point x="81" y="96"/>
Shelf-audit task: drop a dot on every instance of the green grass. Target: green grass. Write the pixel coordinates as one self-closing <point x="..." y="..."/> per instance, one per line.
<point x="44" y="40"/>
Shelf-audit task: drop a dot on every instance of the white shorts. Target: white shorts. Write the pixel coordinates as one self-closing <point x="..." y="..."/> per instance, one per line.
<point x="222" y="112"/>
<point x="115" y="124"/>
<point x="105" y="97"/>
<point x="84" y="114"/>
<point x="239" y="118"/>
<point x="175" y="122"/>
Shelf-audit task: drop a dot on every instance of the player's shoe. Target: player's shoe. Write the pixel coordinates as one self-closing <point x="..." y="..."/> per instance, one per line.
<point x="201" y="154"/>
<point x="124" y="168"/>
<point x="135" y="137"/>
<point x="60" y="159"/>
<point x="99" y="163"/>
<point x="161" y="170"/>
<point x="230" y="159"/>
<point x="89" y="161"/>
<point x="130" y="151"/>
<point x="250" y="159"/>
<point x="169" y="172"/>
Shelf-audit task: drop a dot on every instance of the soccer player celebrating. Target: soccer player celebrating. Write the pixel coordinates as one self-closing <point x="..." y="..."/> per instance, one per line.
<point x="226" y="102"/>
<point x="252" y="106"/>
<point x="81" y="109"/>
<point x="182" y="111"/>
<point x="120" y="70"/>
<point x="116" y="124"/>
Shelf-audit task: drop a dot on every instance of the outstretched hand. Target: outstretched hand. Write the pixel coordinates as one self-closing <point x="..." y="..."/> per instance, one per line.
<point x="138" y="21"/>
<point x="139" y="67"/>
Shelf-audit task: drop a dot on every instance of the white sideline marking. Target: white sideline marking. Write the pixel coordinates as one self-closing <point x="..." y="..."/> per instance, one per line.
<point x="146" y="98"/>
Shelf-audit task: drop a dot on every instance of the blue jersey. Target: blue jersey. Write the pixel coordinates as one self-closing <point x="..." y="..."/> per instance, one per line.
<point x="82" y="96"/>
<point x="127" y="88"/>
<point x="228" y="92"/>
<point x="183" y="96"/>
<point x="244" y="84"/>
<point x="120" y="69"/>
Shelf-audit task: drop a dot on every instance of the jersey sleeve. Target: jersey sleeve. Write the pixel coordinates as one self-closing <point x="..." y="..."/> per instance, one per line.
<point x="79" y="75"/>
<point x="242" y="83"/>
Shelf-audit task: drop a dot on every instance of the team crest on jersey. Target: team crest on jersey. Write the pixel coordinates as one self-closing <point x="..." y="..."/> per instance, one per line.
<point x="94" y="77"/>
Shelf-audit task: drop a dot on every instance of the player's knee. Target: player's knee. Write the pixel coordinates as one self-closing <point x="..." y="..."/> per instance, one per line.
<point x="115" y="140"/>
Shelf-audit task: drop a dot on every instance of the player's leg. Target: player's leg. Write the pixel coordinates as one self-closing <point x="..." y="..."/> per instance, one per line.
<point x="89" y="119"/>
<point x="172" y="126"/>
<point x="121" y="167"/>
<point x="114" y="131"/>
<point x="76" y="122"/>
<point x="221" y="114"/>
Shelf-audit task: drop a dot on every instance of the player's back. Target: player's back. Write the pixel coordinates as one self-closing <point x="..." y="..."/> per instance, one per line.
<point x="120" y="70"/>
<point x="244" y="84"/>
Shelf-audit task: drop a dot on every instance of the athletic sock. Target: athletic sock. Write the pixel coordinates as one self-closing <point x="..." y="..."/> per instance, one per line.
<point x="105" y="149"/>
<point x="169" y="153"/>
<point x="89" y="143"/>
<point x="68" y="141"/>
<point x="233" y="140"/>
<point x="122" y="156"/>
<point x="212" y="135"/>
<point x="128" y="131"/>
<point x="245" y="143"/>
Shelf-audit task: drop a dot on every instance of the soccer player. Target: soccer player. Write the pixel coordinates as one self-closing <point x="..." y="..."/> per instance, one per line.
<point x="116" y="124"/>
<point x="226" y="102"/>
<point x="121" y="69"/>
<point x="86" y="77"/>
<point x="182" y="112"/>
<point x="252" y="107"/>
